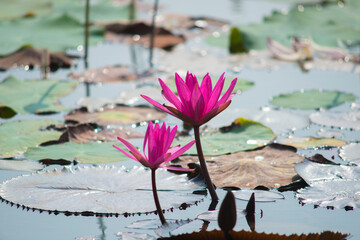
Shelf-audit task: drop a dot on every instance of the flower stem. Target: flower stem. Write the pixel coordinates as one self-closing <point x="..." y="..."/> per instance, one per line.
<point x="204" y="170"/>
<point x="156" y="198"/>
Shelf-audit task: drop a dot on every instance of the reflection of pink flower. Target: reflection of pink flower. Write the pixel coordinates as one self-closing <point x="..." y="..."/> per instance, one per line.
<point x="196" y="104"/>
<point x="158" y="140"/>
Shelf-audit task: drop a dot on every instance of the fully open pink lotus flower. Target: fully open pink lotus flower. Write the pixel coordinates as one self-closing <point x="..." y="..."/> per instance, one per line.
<point x="196" y="104"/>
<point x="158" y="140"/>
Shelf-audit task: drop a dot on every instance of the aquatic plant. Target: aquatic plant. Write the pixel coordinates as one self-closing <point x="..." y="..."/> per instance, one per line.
<point x="158" y="140"/>
<point x="196" y="105"/>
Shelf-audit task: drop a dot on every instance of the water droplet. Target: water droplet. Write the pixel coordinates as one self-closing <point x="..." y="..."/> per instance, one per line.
<point x="259" y="158"/>
<point x="301" y="8"/>
<point x="26" y="67"/>
<point x="340" y="4"/>
<point x="80" y="48"/>
<point x="136" y="37"/>
<point x="216" y="34"/>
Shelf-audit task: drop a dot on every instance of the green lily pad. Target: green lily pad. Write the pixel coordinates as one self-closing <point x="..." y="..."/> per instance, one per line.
<point x="100" y="11"/>
<point x="91" y="152"/>
<point x="326" y="26"/>
<point x="17" y="136"/>
<point x="241" y="84"/>
<point x="56" y="33"/>
<point x="11" y="9"/>
<point x="34" y="96"/>
<point x="312" y="99"/>
<point x="243" y="135"/>
<point x="311" y="142"/>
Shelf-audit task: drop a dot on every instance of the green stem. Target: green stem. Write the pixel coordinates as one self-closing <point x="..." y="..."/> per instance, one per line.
<point x="156" y="198"/>
<point x="204" y="170"/>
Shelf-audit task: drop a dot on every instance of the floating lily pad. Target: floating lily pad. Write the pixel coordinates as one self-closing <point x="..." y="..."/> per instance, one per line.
<point x="99" y="190"/>
<point x="243" y="135"/>
<point x="56" y="33"/>
<point x="20" y="165"/>
<point x="219" y="235"/>
<point x="312" y="99"/>
<point x="325" y="25"/>
<point x="86" y="132"/>
<point x="351" y="152"/>
<point x="315" y="172"/>
<point x="140" y="32"/>
<point x="28" y="56"/>
<point x="279" y="121"/>
<point x="91" y="152"/>
<point x="272" y="166"/>
<point x="332" y="194"/>
<point x="106" y="74"/>
<point x="349" y="120"/>
<point x="34" y="96"/>
<point x="116" y="115"/>
<point x="311" y="142"/>
<point x="11" y="9"/>
<point x="17" y="136"/>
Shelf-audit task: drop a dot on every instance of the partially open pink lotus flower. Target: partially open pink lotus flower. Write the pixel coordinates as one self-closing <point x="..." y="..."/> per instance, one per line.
<point x="196" y="104"/>
<point x="158" y="140"/>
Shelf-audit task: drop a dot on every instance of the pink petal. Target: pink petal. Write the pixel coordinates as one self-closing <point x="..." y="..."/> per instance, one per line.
<point x="180" y="151"/>
<point x="169" y="95"/>
<point x="209" y="115"/>
<point x="215" y="93"/>
<point x="206" y="87"/>
<point x="133" y="150"/>
<point x="156" y="104"/>
<point x="125" y="153"/>
<point x="184" y="94"/>
<point x="227" y="94"/>
<point x="197" y="103"/>
<point x="182" y="116"/>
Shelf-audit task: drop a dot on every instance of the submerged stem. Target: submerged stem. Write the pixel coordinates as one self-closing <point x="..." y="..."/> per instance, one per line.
<point x="156" y="198"/>
<point x="204" y="170"/>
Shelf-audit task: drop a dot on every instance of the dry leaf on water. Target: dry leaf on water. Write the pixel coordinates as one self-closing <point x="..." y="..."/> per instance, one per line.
<point x="271" y="166"/>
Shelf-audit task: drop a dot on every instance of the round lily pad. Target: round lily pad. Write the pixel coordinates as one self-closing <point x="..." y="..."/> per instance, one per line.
<point x="272" y="166"/>
<point x="91" y="152"/>
<point x="34" y="96"/>
<point x="349" y="120"/>
<point x="311" y="142"/>
<point x="242" y="135"/>
<point x="101" y="189"/>
<point x="351" y="152"/>
<point x="17" y="136"/>
<point x="312" y="99"/>
<point x="333" y="194"/>
<point x="116" y="115"/>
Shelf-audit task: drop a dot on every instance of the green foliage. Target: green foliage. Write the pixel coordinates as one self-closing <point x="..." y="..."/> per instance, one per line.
<point x="326" y="26"/>
<point x="17" y="136"/>
<point x="312" y="99"/>
<point x="236" y="41"/>
<point x="34" y="96"/>
<point x="91" y="152"/>
<point x="242" y="135"/>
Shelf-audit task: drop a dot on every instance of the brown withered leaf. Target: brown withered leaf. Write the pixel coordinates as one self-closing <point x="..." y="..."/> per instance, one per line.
<point x="139" y="33"/>
<point x="216" y="234"/>
<point x="105" y="74"/>
<point x="271" y="166"/>
<point x="28" y="56"/>
<point x="91" y="132"/>
<point x="115" y="115"/>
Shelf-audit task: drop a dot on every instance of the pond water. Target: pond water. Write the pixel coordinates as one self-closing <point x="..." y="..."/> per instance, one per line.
<point x="285" y="216"/>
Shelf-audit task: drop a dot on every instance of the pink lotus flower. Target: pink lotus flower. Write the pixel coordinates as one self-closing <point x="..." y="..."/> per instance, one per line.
<point x="196" y="104"/>
<point x="158" y="140"/>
